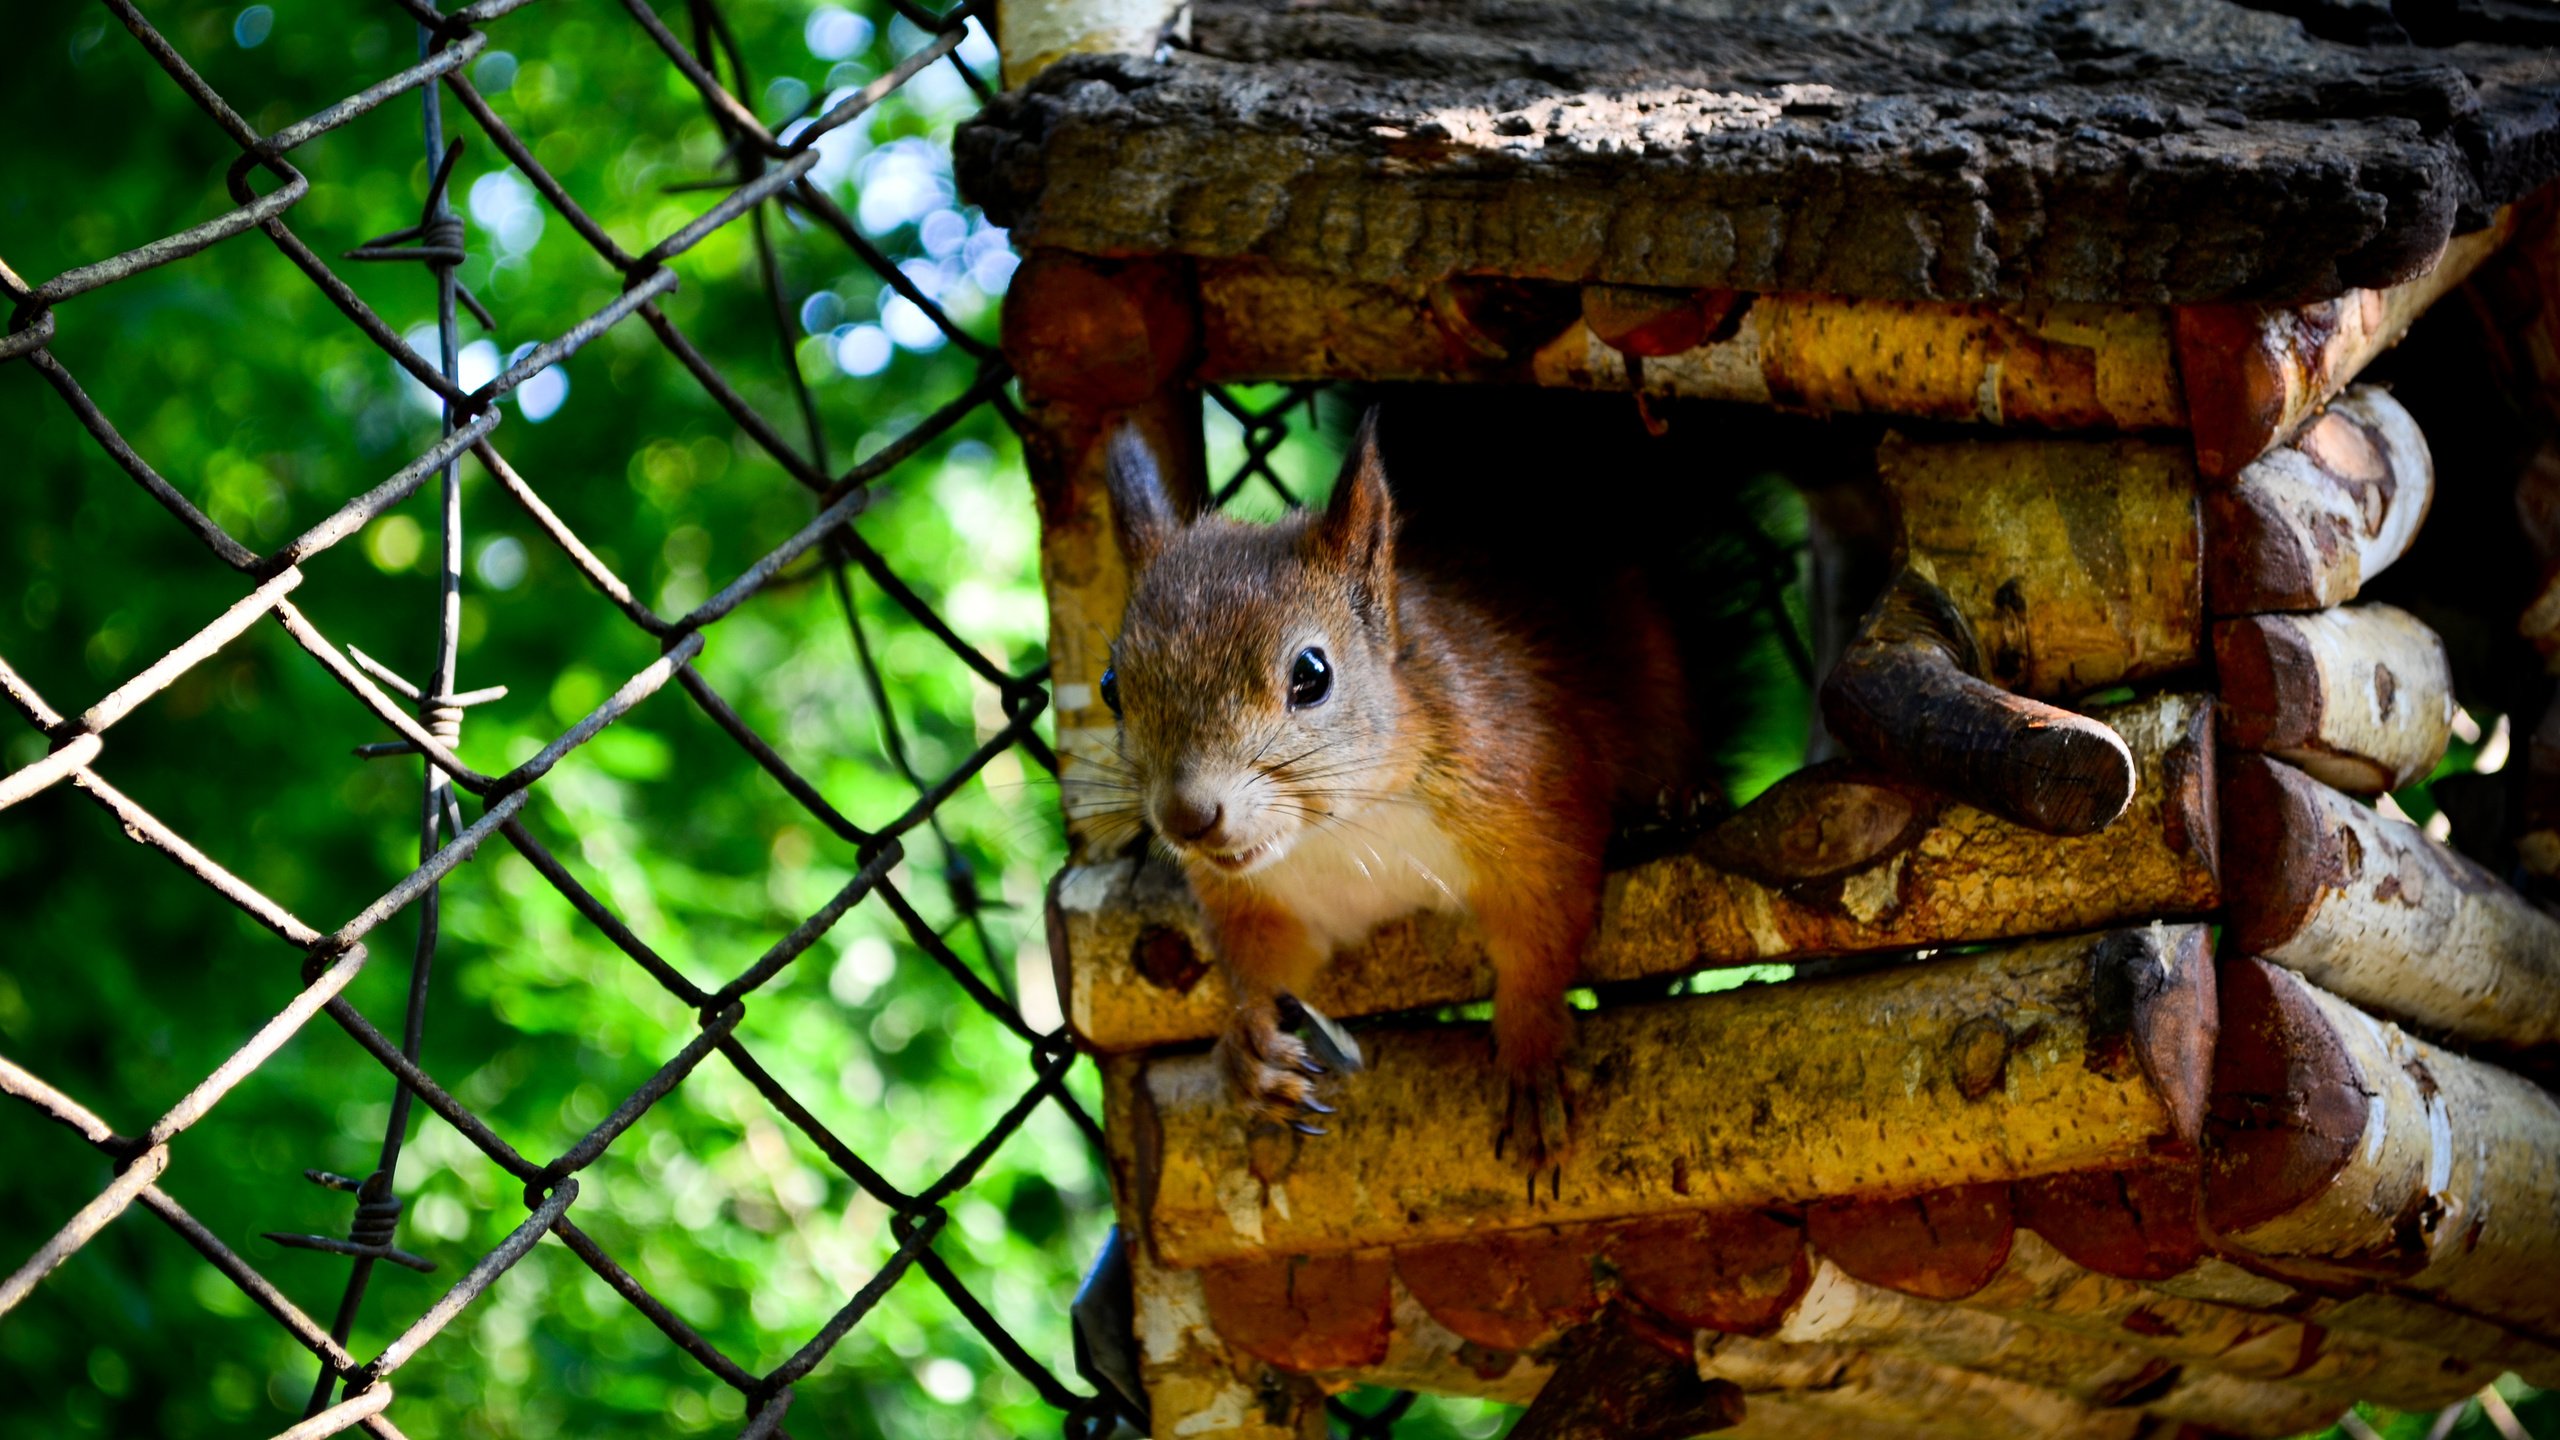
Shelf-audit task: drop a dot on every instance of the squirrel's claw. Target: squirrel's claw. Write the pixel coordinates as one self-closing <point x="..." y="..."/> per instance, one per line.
<point x="1271" y="1074"/>
<point x="1537" y="1127"/>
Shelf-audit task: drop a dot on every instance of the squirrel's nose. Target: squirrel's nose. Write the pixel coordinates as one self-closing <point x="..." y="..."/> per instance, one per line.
<point x="1190" y="817"/>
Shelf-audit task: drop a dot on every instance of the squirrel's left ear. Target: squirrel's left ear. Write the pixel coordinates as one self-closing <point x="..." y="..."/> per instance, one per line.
<point x="1359" y="524"/>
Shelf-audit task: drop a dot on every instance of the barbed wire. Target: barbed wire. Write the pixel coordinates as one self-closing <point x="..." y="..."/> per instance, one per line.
<point x="427" y="714"/>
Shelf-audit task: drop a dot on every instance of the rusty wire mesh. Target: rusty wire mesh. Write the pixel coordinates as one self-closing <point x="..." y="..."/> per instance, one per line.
<point x="426" y="714"/>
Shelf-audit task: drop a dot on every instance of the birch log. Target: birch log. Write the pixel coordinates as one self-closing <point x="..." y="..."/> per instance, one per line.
<point x="2254" y="374"/>
<point x="2074" y="563"/>
<point x="2307" y="525"/>
<point x="2372" y="909"/>
<point x="1829" y="860"/>
<point x="2033" y="1057"/>
<point x="2362" y="698"/>
<point x="2040" y="365"/>
<point x="2343" y="1150"/>
<point x="1908" y="696"/>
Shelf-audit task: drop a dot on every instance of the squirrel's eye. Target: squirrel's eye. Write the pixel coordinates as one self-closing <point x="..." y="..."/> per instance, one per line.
<point x="1111" y="690"/>
<point x="1310" y="679"/>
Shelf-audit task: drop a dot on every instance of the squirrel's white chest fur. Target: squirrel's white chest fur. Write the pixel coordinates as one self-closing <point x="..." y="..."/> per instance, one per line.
<point x="1345" y="878"/>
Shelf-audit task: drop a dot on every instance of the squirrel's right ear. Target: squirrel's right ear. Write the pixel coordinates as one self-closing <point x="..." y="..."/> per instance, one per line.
<point x="1141" y="512"/>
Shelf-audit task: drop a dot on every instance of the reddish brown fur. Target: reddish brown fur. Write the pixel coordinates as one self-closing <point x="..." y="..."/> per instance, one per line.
<point x="1523" y="721"/>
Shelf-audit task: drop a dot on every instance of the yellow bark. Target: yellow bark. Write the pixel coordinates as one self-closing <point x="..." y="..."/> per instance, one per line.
<point x="2024" y="1059"/>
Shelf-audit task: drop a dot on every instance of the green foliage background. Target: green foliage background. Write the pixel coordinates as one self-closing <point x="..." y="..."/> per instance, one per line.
<point x="124" y="983"/>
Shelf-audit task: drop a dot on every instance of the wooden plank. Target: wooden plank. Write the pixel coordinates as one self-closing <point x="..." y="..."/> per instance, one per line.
<point x="2032" y="1057"/>
<point x="1828" y="861"/>
<point x="2206" y="153"/>
<point x="2344" y="1150"/>
<point x="2372" y="909"/>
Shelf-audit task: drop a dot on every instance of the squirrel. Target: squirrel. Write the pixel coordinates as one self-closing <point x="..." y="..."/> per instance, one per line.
<point x="1337" y="719"/>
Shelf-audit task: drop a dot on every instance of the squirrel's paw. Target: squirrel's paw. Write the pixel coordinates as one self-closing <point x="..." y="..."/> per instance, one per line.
<point x="1272" y="1076"/>
<point x="1537" y="1127"/>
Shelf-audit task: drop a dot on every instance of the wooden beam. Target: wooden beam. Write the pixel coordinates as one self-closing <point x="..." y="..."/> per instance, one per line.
<point x="1851" y="151"/>
<point x="1196" y="1381"/>
<point x="2362" y="698"/>
<point x="2254" y="374"/>
<point x="2074" y="563"/>
<point x="2027" y="1058"/>
<point x="1830" y="860"/>
<point x="2304" y="527"/>
<point x="2372" y="909"/>
<point x="2342" y="1150"/>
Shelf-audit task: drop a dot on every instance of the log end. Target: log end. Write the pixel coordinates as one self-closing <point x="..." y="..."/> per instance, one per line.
<point x="2280" y="866"/>
<point x="2271" y="695"/>
<point x="1098" y="332"/>
<point x="2153" y="1008"/>
<point x="1942" y="1245"/>
<point x="2067" y="774"/>
<point x="2131" y="1224"/>
<point x="2235" y="383"/>
<point x="1505" y="1292"/>
<point x="2288" y="1109"/>
<point x="1733" y="1272"/>
<point x="1303" y="1313"/>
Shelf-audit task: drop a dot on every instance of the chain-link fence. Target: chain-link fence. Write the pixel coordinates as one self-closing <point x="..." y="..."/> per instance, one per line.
<point x="426" y="712"/>
<point x="783" y="188"/>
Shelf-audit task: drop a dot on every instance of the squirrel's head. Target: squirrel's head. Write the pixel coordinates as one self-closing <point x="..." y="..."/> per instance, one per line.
<point x="1254" y="675"/>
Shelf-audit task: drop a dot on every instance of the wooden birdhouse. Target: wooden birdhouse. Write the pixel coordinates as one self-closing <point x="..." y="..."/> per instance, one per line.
<point x="2171" y="1081"/>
